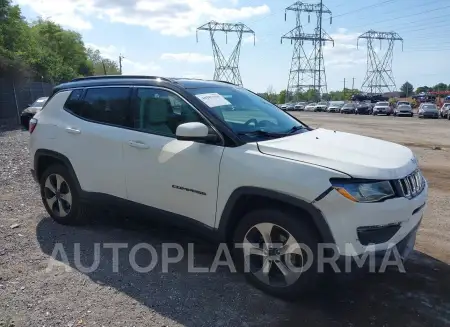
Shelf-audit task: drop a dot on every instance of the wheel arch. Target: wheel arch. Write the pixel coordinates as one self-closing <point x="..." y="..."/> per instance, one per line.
<point x="44" y="158"/>
<point x="238" y="204"/>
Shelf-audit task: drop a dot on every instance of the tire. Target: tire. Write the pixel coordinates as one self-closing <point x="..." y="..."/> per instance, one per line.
<point x="448" y="115"/>
<point x="302" y="233"/>
<point x="74" y="211"/>
<point x="374" y="113"/>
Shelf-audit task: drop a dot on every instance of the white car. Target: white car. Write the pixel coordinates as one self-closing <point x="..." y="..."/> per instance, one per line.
<point x="335" y="106"/>
<point x="254" y="178"/>
<point x="381" y="108"/>
<point x="299" y="106"/>
<point x="403" y="110"/>
<point x="310" y="107"/>
<point x="321" y="106"/>
<point x="445" y="110"/>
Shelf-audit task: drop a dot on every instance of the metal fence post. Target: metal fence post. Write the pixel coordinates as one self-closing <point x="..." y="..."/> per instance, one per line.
<point x="15" y="100"/>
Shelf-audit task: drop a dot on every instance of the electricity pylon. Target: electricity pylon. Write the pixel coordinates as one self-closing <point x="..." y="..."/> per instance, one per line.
<point x="226" y="69"/>
<point x="307" y="67"/>
<point x="379" y="77"/>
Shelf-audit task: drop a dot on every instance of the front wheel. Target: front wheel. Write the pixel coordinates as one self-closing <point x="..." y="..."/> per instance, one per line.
<point x="277" y="251"/>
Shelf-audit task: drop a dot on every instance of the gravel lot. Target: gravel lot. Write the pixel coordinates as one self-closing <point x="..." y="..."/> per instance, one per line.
<point x="31" y="296"/>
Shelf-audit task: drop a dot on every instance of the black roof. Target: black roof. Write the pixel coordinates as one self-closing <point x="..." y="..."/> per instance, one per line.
<point x="138" y="80"/>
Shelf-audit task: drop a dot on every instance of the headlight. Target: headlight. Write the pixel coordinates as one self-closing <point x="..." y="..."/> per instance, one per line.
<point x="364" y="192"/>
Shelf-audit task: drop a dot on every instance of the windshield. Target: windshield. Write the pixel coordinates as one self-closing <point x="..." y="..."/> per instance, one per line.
<point x="429" y="107"/>
<point x="404" y="107"/>
<point x="347" y="106"/>
<point x="247" y="114"/>
<point x="403" y="103"/>
<point x="39" y="103"/>
<point x="323" y="103"/>
<point x="382" y="104"/>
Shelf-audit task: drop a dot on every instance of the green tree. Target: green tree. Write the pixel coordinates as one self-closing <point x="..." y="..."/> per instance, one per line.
<point x="407" y="89"/>
<point x="282" y="97"/>
<point x="423" y="89"/>
<point x="101" y="65"/>
<point x="440" y="87"/>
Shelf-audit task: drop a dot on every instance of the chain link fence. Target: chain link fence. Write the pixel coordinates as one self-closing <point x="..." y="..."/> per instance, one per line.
<point x="16" y="95"/>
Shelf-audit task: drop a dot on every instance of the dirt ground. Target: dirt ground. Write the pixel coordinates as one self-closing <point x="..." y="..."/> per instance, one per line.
<point x="31" y="296"/>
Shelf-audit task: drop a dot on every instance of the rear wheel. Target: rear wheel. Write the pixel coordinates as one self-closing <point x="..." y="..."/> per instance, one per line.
<point x="60" y="196"/>
<point x="278" y="253"/>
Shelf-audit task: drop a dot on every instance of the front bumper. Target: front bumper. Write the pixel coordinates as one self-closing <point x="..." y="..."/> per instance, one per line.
<point x="346" y="219"/>
<point x="430" y="115"/>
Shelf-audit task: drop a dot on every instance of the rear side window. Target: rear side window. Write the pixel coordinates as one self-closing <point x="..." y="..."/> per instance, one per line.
<point x="108" y="105"/>
<point x="73" y="103"/>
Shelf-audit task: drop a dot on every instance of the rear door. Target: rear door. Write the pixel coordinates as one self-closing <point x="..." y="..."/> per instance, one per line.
<point x="91" y="135"/>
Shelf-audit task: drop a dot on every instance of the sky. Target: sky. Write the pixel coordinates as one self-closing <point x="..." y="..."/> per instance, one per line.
<point x="158" y="37"/>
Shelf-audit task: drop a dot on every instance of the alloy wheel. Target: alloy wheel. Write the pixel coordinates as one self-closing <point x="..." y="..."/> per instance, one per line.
<point x="273" y="255"/>
<point x="58" y="195"/>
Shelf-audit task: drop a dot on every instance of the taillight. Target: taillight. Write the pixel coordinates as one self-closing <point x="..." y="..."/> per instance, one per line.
<point x="32" y="125"/>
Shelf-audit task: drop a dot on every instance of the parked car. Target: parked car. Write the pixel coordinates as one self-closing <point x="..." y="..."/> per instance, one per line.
<point x="348" y="108"/>
<point x="321" y="106"/>
<point x="117" y="141"/>
<point x="283" y="106"/>
<point x="401" y="103"/>
<point x="363" y="109"/>
<point x="300" y="106"/>
<point x="381" y="108"/>
<point x="428" y="110"/>
<point x="310" y="107"/>
<point x="444" y="110"/>
<point x="403" y="110"/>
<point x="290" y="106"/>
<point x="31" y="110"/>
<point x="335" y="106"/>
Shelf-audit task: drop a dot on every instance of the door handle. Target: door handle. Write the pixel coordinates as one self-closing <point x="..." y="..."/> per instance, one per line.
<point x="138" y="144"/>
<point x="72" y="130"/>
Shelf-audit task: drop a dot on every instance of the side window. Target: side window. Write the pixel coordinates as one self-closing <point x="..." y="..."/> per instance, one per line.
<point x="160" y="112"/>
<point x="73" y="103"/>
<point x="108" y="105"/>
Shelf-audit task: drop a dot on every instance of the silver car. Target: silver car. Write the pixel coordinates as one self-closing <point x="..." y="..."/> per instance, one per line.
<point x="403" y="110"/>
<point x="381" y="108"/>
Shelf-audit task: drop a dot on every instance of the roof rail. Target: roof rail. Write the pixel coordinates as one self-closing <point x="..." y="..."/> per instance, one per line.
<point x="119" y="77"/>
<point x="225" y="82"/>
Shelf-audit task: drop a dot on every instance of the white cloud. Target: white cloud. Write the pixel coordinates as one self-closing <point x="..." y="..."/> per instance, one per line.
<point x="250" y="39"/>
<point x="190" y="57"/>
<point x="169" y="17"/>
<point x="129" y="66"/>
<point x="345" y="52"/>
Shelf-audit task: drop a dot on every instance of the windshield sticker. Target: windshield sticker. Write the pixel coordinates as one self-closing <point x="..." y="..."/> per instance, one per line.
<point x="213" y="99"/>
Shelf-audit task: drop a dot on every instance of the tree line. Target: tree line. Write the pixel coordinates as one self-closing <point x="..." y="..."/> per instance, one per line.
<point x="43" y="50"/>
<point x="406" y="90"/>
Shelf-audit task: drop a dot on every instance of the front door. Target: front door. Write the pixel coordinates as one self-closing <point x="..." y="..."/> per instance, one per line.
<point x="176" y="176"/>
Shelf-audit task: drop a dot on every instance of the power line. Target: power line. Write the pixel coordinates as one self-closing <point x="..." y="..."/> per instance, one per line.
<point x="362" y="8"/>
<point x="404" y="16"/>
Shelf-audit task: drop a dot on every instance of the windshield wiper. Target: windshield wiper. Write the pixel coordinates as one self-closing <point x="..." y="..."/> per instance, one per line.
<point x="294" y="129"/>
<point x="260" y="132"/>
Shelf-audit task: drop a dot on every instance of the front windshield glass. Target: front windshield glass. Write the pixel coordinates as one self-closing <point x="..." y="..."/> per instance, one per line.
<point x="247" y="114"/>
<point x="429" y="107"/>
<point x="382" y="104"/>
<point x="39" y="103"/>
<point x="347" y="106"/>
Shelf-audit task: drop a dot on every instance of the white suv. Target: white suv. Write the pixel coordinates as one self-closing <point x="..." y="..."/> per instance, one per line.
<point x="224" y="161"/>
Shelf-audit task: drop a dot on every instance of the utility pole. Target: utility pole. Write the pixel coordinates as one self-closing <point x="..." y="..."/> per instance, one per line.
<point x="120" y="63"/>
<point x="307" y="66"/>
<point x="344" y="88"/>
<point x="353" y="84"/>
<point x="226" y="69"/>
<point x="379" y="77"/>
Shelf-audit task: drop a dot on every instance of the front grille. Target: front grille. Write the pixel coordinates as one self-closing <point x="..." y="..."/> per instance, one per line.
<point x="412" y="185"/>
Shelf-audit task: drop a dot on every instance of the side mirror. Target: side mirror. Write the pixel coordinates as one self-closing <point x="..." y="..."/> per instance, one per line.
<point x="194" y="132"/>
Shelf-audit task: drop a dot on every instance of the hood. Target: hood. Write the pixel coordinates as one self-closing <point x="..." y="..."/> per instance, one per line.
<point x="356" y="155"/>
